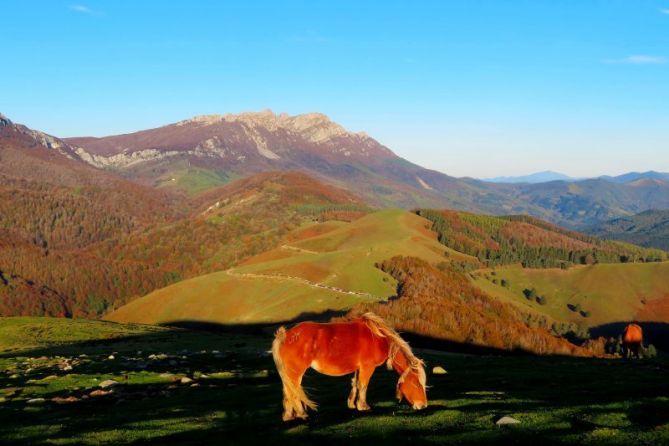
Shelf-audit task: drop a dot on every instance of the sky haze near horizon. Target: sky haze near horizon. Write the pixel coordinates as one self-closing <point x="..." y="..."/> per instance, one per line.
<point x="479" y="88"/>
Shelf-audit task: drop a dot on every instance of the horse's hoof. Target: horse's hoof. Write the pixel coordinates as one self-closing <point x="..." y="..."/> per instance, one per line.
<point x="364" y="408"/>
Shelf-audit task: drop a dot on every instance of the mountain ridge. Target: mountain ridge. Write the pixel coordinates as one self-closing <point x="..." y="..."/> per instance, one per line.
<point x="533" y="178"/>
<point x="207" y="151"/>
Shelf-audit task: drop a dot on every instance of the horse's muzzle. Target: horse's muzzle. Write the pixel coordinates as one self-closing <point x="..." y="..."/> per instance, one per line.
<point x="419" y="406"/>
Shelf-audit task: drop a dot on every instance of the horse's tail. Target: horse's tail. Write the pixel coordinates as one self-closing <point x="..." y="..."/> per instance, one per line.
<point x="292" y="391"/>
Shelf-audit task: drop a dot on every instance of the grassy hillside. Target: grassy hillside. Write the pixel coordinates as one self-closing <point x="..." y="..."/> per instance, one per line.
<point x="235" y="394"/>
<point x="604" y="293"/>
<point x="215" y="230"/>
<point x="650" y="229"/>
<point x="334" y="266"/>
<point x="327" y="266"/>
<point x="25" y="333"/>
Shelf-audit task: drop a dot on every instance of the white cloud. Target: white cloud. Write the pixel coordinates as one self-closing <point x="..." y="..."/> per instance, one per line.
<point x="665" y="11"/>
<point x="640" y="60"/>
<point x="83" y="9"/>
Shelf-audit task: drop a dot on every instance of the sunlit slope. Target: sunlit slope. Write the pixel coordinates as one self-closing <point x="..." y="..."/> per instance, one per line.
<point x="346" y="256"/>
<point x="590" y="295"/>
<point x="327" y="266"/>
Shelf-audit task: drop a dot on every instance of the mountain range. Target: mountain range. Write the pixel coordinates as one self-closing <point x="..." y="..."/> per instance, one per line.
<point x="204" y="152"/>
<point x="648" y="228"/>
<point x="548" y="175"/>
<point x="539" y="177"/>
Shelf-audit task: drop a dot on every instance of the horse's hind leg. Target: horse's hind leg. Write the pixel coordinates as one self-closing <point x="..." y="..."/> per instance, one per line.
<point x="363" y="381"/>
<point x="354" y="391"/>
<point x="293" y="406"/>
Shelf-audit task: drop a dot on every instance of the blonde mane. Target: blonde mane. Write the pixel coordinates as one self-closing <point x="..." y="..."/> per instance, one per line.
<point x="380" y="328"/>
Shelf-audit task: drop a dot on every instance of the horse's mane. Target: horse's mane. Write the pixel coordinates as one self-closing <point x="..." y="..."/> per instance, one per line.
<point x="380" y="328"/>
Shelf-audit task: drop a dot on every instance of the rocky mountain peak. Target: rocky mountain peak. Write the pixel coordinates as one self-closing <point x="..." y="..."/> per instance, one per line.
<point x="315" y="127"/>
<point x="43" y="139"/>
<point x="4" y="121"/>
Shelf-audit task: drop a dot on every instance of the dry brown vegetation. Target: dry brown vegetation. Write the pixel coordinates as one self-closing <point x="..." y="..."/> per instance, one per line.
<point x="445" y="305"/>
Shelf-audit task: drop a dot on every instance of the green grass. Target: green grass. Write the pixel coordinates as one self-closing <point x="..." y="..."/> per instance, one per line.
<point x="219" y="298"/>
<point x="611" y="292"/>
<point x="192" y="180"/>
<point x="20" y="333"/>
<point x="558" y="400"/>
<point x="342" y="258"/>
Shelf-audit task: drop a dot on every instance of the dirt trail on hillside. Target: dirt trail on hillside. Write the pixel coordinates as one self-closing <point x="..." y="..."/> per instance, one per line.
<point x="296" y="249"/>
<point x="302" y="281"/>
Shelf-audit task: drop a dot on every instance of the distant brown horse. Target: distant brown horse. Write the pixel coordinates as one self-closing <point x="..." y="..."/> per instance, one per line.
<point x="632" y="339"/>
<point x="340" y="348"/>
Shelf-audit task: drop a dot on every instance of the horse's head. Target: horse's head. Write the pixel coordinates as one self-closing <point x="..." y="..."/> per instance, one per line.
<point x="412" y="387"/>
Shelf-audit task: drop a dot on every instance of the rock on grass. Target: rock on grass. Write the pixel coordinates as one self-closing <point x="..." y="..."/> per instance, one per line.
<point x="36" y="401"/>
<point x="506" y="421"/>
<point x="108" y="383"/>
<point x="439" y="370"/>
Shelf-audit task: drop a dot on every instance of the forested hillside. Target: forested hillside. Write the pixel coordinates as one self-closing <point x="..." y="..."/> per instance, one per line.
<point x="529" y="241"/>
<point x="445" y="305"/>
<point x="87" y="260"/>
<point x="649" y="229"/>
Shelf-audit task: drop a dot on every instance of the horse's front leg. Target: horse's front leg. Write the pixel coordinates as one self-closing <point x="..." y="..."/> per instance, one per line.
<point x="354" y="391"/>
<point x="363" y="381"/>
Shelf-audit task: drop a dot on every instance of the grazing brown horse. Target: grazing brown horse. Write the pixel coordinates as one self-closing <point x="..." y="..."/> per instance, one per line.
<point x="632" y="339"/>
<point x="340" y="348"/>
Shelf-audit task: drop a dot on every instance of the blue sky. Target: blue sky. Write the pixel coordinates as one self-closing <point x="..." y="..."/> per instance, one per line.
<point x="469" y="87"/>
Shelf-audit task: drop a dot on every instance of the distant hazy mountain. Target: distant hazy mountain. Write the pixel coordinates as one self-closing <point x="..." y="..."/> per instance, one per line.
<point x="636" y="176"/>
<point x="549" y="175"/>
<point x="539" y="177"/>
<point x="649" y="229"/>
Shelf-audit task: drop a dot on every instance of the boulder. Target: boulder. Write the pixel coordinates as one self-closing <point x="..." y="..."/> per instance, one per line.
<point x="36" y="401"/>
<point x="506" y="421"/>
<point x="439" y="370"/>
<point x="108" y="383"/>
<point x="99" y="393"/>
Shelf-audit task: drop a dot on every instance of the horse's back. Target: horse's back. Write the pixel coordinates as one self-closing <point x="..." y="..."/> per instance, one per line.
<point x="632" y="333"/>
<point x="335" y="348"/>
